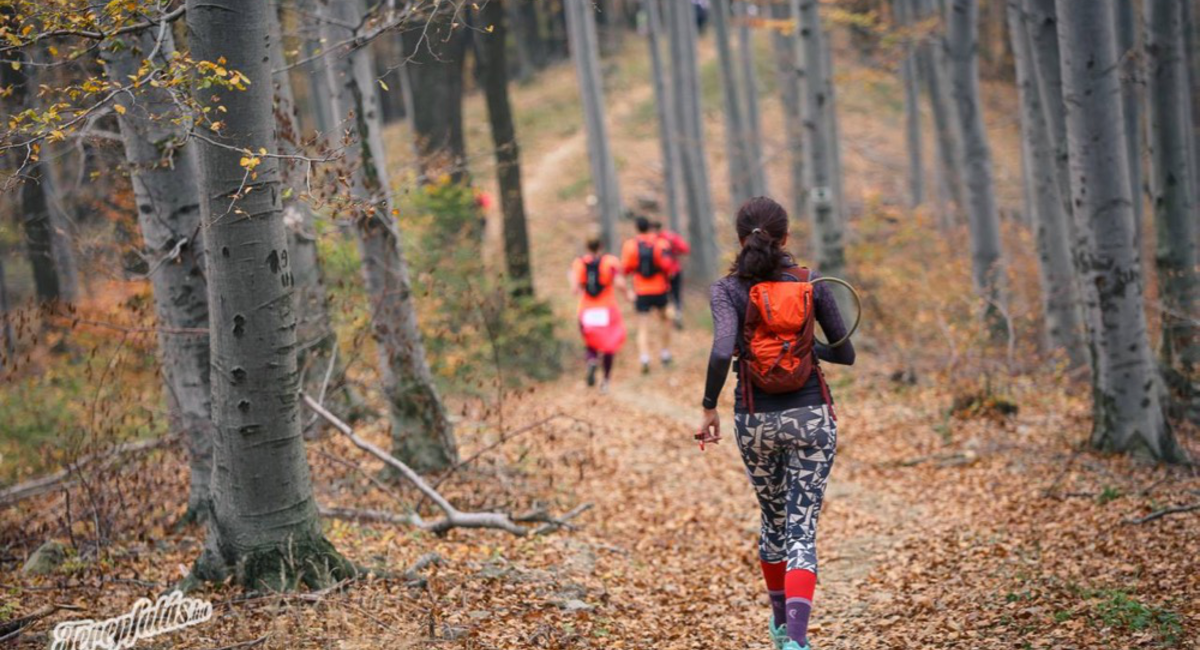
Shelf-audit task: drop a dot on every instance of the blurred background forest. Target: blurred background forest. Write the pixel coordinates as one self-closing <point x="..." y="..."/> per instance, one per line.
<point x="285" y="317"/>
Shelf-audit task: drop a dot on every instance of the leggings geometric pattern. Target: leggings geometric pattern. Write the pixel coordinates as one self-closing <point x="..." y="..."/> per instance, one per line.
<point x="788" y="455"/>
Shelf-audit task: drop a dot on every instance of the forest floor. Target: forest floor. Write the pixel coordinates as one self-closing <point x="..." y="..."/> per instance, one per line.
<point x="981" y="528"/>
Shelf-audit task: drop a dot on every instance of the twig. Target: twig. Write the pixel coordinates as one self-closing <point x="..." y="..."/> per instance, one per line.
<point x="244" y="644"/>
<point x="503" y="439"/>
<point x="1158" y="514"/>
<point x="29" y="489"/>
<point x="12" y="629"/>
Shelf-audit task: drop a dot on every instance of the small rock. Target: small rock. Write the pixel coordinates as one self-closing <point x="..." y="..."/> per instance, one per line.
<point x="45" y="559"/>
<point x="576" y="605"/>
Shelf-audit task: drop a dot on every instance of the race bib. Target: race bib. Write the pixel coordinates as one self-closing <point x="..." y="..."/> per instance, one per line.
<point x="595" y="317"/>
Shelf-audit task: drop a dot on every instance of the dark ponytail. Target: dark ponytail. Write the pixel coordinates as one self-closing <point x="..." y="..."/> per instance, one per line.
<point x="762" y="225"/>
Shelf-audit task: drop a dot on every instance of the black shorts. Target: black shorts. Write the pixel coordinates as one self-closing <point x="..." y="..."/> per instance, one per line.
<point x="645" y="303"/>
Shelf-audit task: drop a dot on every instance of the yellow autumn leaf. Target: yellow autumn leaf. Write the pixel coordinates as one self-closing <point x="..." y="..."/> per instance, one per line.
<point x="383" y="85"/>
<point x="491" y="28"/>
<point x="119" y="108"/>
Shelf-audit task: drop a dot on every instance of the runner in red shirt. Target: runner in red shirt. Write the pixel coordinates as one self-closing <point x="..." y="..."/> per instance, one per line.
<point x="595" y="278"/>
<point x="678" y="248"/>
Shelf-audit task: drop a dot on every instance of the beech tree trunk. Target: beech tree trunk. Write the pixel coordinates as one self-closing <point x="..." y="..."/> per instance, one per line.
<point x="668" y="114"/>
<point x="493" y="61"/>
<point x="1051" y="226"/>
<point x="1129" y="413"/>
<point x="821" y="161"/>
<point x="790" y="80"/>
<point x="736" y="146"/>
<point x="983" y="217"/>
<point x="422" y="435"/>
<point x="434" y="63"/>
<point x="164" y="175"/>
<point x="1174" y="199"/>
<point x="932" y="64"/>
<point x="912" y="108"/>
<point x="582" y="26"/>
<point x="685" y="74"/>
<point x="263" y="530"/>
<point x="1125" y="19"/>
<point x="756" y="175"/>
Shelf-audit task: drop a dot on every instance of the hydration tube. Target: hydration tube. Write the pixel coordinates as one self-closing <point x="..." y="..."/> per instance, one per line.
<point x="857" y="310"/>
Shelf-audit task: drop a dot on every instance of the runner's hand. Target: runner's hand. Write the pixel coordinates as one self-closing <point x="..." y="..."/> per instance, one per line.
<point x="710" y="428"/>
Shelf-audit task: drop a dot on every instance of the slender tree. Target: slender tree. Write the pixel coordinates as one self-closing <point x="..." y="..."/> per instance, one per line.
<point x="737" y="153"/>
<point x="1128" y="412"/>
<point x="756" y="174"/>
<point x="821" y="162"/>
<point x="494" y="65"/>
<point x="685" y="75"/>
<point x="422" y="435"/>
<point x="983" y="217"/>
<point x="434" y="58"/>
<point x="8" y="340"/>
<point x="263" y="530"/>
<point x="789" y="73"/>
<point x="1174" y="204"/>
<point x="933" y="69"/>
<point x="1125" y="19"/>
<point x="163" y="172"/>
<point x="912" y="107"/>
<point x="582" y="24"/>
<point x="668" y="115"/>
<point x="1051" y="226"/>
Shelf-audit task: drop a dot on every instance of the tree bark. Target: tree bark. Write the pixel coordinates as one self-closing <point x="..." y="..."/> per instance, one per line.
<point x="1174" y="199"/>
<point x="931" y="61"/>
<point x="422" y="435"/>
<point x="668" y="114"/>
<point x="685" y="74"/>
<point x="790" y="80"/>
<point x="1125" y="19"/>
<point x="1129" y="414"/>
<point x="756" y="175"/>
<point x="434" y="63"/>
<point x="912" y="108"/>
<point x="584" y="51"/>
<point x="264" y="528"/>
<point x="983" y="218"/>
<point x="736" y="150"/>
<point x="504" y="137"/>
<point x="821" y="163"/>
<point x="163" y="172"/>
<point x="1063" y="326"/>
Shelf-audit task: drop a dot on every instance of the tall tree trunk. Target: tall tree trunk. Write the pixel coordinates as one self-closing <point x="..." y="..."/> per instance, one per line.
<point x="668" y="114"/>
<point x="790" y="80"/>
<point x="582" y="25"/>
<point x="1129" y="414"/>
<point x="912" y="107"/>
<point x="685" y="74"/>
<point x="1191" y="41"/>
<point x="422" y="435"/>
<point x="756" y="174"/>
<point x="525" y="38"/>
<point x="821" y="162"/>
<point x="1051" y="226"/>
<point x="163" y="172"/>
<point x="1174" y="204"/>
<point x="264" y="529"/>
<point x="933" y="68"/>
<point x="315" y="338"/>
<point x="8" y="340"/>
<point x="736" y="153"/>
<point x="983" y="218"/>
<point x="39" y="241"/>
<point x="434" y="62"/>
<point x="504" y="136"/>
<point x="1125" y="19"/>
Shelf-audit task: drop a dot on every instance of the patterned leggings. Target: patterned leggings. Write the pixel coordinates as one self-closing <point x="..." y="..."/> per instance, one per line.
<point x="788" y="455"/>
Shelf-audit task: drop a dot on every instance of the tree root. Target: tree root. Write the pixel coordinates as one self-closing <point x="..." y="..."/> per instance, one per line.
<point x="454" y="518"/>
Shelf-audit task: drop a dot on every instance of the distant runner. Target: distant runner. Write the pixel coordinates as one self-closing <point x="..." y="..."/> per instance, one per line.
<point x="646" y="258"/>
<point x="595" y="278"/>
<point x="765" y="311"/>
<point x="679" y="249"/>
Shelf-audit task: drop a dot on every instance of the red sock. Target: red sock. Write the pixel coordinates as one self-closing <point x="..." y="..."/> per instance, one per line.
<point x="800" y="584"/>
<point x="773" y="574"/>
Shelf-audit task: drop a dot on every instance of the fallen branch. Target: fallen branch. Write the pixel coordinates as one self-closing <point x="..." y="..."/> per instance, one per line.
<point x="38" y="486"/>
<point x="12" y="629"/>
<point x="454" y="518"/>
<point x="244" y="644"/>
<point x="1159" y="514"/>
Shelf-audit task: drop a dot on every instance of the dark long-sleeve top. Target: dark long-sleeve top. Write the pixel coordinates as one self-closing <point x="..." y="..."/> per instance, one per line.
<point x="730" y="297"/>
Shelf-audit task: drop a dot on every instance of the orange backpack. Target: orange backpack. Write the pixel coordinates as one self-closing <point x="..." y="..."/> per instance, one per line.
<point x="777" y="340"/>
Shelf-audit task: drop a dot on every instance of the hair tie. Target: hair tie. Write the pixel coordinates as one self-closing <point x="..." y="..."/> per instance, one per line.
<point x="756" y="231"/>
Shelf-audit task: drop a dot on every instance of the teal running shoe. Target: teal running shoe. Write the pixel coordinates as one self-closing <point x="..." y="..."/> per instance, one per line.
<point x="778" y="633"/>
<point x="792" y="645"/>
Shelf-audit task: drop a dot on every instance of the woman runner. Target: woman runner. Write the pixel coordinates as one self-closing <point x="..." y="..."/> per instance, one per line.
<point x="596" y="278"/>
<point x="787" y="440"/>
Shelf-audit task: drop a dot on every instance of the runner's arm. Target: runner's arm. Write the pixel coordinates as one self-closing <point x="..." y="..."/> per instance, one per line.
<point x="725" y="331"/>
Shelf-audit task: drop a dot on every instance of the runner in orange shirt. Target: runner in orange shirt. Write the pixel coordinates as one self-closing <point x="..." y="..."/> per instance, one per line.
<point x="595" y="278"/>
<point x="678" y="249"/>
<point x="647" y="259"/>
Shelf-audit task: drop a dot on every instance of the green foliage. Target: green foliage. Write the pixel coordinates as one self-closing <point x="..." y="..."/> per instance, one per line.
<point x="476" y="332"/>
<point x="1118" y="610"/>
<point x="1110" y="493"/>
